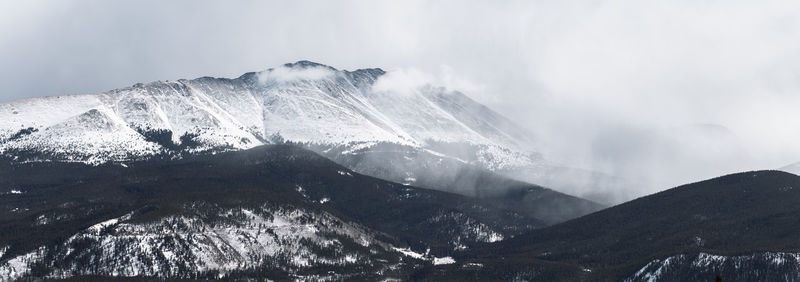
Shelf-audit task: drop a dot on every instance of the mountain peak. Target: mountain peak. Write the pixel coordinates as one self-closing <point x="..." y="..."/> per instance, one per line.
<point x="304" y="64"/>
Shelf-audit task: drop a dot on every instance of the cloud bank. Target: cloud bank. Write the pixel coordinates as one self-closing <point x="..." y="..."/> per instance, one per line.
<point x="409" y="79"/>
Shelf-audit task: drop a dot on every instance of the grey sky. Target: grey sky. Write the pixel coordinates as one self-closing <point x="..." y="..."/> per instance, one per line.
<point x="590" y="77"/>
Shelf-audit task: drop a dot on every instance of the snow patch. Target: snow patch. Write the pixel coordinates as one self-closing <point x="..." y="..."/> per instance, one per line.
<point x="410" y="253"/>
<point x="14" y="192"/>
<point x="472" y="265"/>
<point x="444" y="260"/>
<point x="426" y="257"/>
<point x="300" y="190"/>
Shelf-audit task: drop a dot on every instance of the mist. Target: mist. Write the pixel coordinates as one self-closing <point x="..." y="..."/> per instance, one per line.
<point x="661" y="93"/>
<point x="284" y="74"/>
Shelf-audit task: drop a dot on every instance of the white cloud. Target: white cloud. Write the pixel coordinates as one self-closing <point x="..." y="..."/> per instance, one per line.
<point x="408" y="80"/>
<point x="452" y="81"/>
<point x="403" y="81"/>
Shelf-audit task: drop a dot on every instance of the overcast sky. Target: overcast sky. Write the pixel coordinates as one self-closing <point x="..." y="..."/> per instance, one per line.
<point x="597" y="81"/>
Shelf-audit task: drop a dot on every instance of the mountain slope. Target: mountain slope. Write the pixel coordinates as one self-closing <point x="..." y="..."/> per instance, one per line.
<point x="747" y="217"/>
<point x="272" y="211"/>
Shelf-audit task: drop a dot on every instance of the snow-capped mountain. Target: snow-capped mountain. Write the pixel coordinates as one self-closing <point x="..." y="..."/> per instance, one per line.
<point x="302" y="102"/>
<point x="365" y="120"/>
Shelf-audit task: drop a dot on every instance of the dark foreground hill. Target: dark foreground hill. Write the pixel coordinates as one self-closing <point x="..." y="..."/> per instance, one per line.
<point x="282" y="212"/>
<point x="274" y="211"/>
<point x="742" y="227"/>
